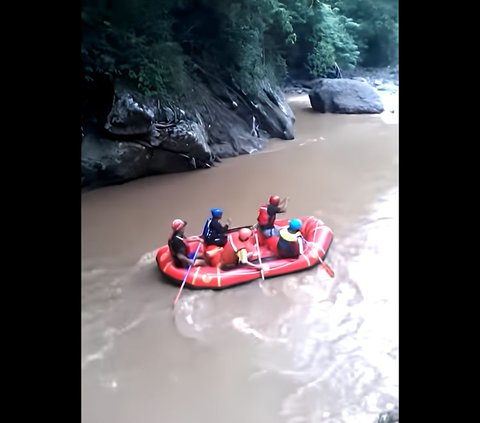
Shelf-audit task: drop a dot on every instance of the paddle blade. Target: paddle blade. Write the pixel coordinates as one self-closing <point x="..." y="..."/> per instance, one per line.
<point x="328" y="269"/>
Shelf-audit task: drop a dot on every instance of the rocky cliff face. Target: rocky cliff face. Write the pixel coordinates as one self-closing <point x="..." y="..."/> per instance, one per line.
<point x="138" y="136"/>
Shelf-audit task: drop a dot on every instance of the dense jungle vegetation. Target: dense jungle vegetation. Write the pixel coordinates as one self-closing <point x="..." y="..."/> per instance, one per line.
<point x="155" y="44"/>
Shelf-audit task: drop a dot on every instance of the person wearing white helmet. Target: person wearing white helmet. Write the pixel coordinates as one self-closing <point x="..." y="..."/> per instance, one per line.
<point x="182" y="255"/>
<point x="238" y="249"/>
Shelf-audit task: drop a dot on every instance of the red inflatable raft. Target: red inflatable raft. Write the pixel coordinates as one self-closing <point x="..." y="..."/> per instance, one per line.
<point x="316" y="233"/>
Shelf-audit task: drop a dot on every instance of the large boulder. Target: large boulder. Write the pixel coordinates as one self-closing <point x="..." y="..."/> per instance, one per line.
<point x="346" y="96"/>
<point x="105" y="161"/>
<point x="141" y="135"/>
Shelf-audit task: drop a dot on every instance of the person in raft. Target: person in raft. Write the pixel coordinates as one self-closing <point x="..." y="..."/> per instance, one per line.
<point x="214" y="232"/>
<point x="182" y="256"/>
<point x="290" y="243"/>
<point x="268" y="213"/>
<point x="238" y="250"/>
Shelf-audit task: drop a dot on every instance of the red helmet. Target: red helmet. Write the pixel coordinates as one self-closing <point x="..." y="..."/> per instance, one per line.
<point x="178" y="224"/>
<point x="274" y="200"/>
<point x="244" y="234"/>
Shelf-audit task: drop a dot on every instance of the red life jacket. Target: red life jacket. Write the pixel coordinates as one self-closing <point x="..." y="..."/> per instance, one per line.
<point x="263" y="218"/>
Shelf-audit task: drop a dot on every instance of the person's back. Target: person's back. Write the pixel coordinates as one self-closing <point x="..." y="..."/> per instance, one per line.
<point x="268" y="214"/>
<point x="290" y="241"/>
<point x="214" y="233"/>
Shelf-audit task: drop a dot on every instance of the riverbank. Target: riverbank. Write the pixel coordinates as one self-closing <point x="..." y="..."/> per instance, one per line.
<point x="383" y="79"/>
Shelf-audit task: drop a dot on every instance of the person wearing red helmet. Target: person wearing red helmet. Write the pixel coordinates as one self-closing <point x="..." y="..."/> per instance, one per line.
<point x="182" y="255"/>
<point x="238" y="249"/>
<point x="268" y="213"/>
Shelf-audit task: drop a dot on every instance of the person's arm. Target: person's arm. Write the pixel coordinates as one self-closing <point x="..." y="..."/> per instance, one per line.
<point x="243" y="259"/>
<point x="178" y="248"/>
<point x="300" y="244"/>
<point x="283" y="205"/>
<point x="225" y="227"/>
<point x="184" y="259"/>
<point x="218" y="227"/>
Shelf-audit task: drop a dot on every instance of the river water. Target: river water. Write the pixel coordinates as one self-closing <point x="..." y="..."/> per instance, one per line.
<point x="301" y="348"/>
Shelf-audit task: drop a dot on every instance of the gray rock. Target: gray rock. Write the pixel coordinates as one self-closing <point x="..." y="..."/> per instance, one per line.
<point x="128" y="117"/>
<point x="391" y="416"/>
<point x="274" y="113"/>
<point x="105" y="161"/>
<point x="147" y="136"/>
<point x="345" y="96"/>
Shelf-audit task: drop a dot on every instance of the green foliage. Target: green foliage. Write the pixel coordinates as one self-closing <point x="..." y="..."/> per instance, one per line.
<point x="155" y="43"/>
<point x="332" y="42"/>
<point x="142" y="51"/>
<point x="159" y="67"/>
<point x="252" y="34"/>
<point x="377" y="31"/>
<point x="323" y="38"/>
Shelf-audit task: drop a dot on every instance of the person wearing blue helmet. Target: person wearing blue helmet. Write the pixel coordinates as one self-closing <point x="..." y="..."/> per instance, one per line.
<point x="214" y="232"/>
<point x="290" y="242"/>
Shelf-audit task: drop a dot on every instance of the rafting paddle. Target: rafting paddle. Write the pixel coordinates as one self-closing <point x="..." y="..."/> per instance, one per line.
<point x="327" y="268"/>
<point x="237" y="228"/>
<point x="186" y="274"/>
<point x="259" y="255"/>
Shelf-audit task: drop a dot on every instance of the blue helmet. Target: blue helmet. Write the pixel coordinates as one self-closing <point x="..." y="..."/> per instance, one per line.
<point x="217" y="212"/>
<point x="295" y="224"/>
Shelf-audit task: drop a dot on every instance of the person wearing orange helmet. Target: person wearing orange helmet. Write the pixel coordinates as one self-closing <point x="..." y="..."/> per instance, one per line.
<point x="238" y="249"/>
<point x="268" y="213"/>
<point x="182" y="255"/>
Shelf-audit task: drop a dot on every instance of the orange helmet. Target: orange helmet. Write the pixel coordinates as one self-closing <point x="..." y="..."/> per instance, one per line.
<point x="244" y="234"/>
<point x="274" y="200"/>
<point x="178" y="224"/>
